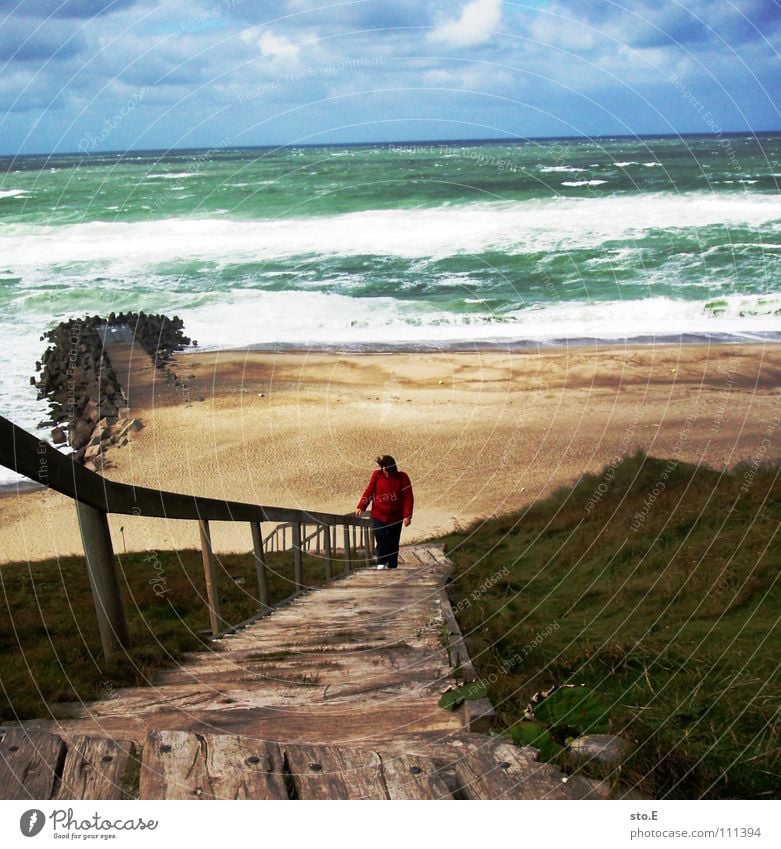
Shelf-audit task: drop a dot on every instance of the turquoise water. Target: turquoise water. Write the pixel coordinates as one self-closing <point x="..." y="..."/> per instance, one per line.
<point x="439" y="244"/>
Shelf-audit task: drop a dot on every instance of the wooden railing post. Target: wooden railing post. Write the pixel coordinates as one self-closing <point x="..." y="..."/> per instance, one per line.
<point x="260" y="563"/>
<point x="210" y="573"/>
<point x="366" y="545"/>
<point x="99" y="553"/>
<point x="299" y="579"/>
<point x="347" y="555"/>
<point x="327" y="552"/>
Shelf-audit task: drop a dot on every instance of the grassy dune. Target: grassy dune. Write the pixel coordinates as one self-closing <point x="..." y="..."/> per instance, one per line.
<point x="656" y="585"/>
<point x="49" y="640"/>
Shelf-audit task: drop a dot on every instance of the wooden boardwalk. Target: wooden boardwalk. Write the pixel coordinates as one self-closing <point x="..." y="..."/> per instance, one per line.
<point x="333" y="697"/>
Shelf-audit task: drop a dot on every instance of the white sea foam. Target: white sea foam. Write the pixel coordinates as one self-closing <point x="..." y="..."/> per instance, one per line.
<point x="13" y="193"/>
<point x="173" y="175"/>
<point x="121" y="248"/>
<point x="315" y="318"/>
<point x="577" y="183"/>
<point x="247" y="317"/>
<point x="560" y="169"/>
<point x="625" y="164"/>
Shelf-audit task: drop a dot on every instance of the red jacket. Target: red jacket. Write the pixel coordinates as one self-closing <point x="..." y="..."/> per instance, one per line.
<point x="391" y="496"/>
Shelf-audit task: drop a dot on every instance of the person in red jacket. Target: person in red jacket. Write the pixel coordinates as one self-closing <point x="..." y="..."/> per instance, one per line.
<point x="390" y="494"/>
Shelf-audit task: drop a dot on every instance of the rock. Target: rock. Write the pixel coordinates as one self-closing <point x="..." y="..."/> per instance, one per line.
<point x="99" y="463"/>
<point x="108" y="409"/>
<point x="80" y="435"/>
<point x="93" y="451"/>
<point x="90" y="466"/>
<point x="134" y="425"/>
<point x="90" y="412"/>
<point x="58" y="436"/>
<point x="602" y="748"/>
<point x="76" y="375"/>
<point x="105" y="423"/>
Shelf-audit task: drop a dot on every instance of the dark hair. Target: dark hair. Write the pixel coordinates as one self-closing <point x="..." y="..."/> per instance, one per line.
<point x="387" y="462"/>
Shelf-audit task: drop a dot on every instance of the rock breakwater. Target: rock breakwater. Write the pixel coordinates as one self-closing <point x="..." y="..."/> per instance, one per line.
<point x="76" y="375"/>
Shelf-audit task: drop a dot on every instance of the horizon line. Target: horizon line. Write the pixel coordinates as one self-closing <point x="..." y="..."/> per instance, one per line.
<point x="401" y="142"/>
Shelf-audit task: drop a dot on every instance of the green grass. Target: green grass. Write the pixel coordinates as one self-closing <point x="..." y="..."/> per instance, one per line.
<point x="662" y="601"/>
<point x="50" y="647"/>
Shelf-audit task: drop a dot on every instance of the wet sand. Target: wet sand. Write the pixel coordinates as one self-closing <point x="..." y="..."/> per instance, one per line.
<point x="480" y="432"/>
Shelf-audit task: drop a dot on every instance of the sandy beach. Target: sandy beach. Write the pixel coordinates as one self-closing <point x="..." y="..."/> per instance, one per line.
<point x="480" y="432"/>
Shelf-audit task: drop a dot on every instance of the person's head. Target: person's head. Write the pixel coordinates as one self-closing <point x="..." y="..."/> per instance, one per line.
<point x="387" y="464"/>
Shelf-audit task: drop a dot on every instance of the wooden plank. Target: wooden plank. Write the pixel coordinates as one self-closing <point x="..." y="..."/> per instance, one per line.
<point x="98" y="768"/>
<point x="331" y="772"/>
<point x="412" y="557"/>
<point x="30" y="762"/>
<point x="504" y="771"/>
<point x="412" y="777"/>
<point x="210" y="575"/>
<point x="183" y="765"/>
<point x="457" y="651"/>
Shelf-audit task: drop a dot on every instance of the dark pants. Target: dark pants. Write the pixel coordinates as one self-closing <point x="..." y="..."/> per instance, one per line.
<point x="387" y="536"/>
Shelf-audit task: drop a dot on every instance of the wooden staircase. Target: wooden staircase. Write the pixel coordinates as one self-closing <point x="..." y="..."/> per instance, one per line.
<point x="332" y="697"/>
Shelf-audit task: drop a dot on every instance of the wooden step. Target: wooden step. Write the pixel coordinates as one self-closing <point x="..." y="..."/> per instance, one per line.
<point x="347" y="678"/>
<point x="175" y="764"/>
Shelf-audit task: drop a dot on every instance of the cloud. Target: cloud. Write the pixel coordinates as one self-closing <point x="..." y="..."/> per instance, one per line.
<point x="33" y="40"/>
<point x="364" y="67"/>
<point x="270" y="44"/>
<point x="649" y="23"/>
<point x="478" y="18"/>
<point x="64" y="8"/>
<point x="278" y="46"/>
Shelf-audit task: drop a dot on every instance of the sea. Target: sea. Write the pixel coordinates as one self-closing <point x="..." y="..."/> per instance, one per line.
<point x="444" y="245"/>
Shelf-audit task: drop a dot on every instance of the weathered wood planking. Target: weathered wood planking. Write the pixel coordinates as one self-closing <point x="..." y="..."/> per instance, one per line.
<point x="329" y="772"/>
<point x="97" y="768"/>
<point x="346" y="680"/>
<point x="183" y="765"/>
<point x="30" y="762"/>
<point x="412" y="777"/>
<point x="504" y="771"/>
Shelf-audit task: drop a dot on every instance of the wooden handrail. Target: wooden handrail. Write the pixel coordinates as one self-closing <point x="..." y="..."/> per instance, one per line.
<point x="96" y="497"/>
<point x="41" y="462"/>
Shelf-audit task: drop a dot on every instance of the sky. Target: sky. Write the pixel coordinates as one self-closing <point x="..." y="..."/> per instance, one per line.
<point x="93" y="75"/>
